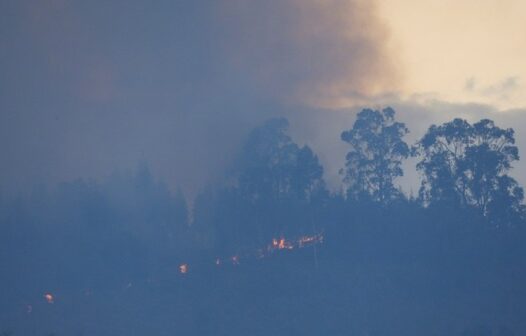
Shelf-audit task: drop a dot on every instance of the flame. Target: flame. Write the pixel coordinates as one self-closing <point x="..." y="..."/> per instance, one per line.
<point x="183" y="268"/>
<point x="49" y="298"/>
<point x="281" y="244"/>
<point x="276" y="244"/>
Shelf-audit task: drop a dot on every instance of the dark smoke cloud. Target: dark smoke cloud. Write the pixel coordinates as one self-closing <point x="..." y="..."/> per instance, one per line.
<point x="88" y="87"/>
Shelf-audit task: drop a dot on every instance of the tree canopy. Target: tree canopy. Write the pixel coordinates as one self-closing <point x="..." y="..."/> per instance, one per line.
<point x="272" y="166"/>
<point x="468" y="165"/>
<point x="375" y="158"/>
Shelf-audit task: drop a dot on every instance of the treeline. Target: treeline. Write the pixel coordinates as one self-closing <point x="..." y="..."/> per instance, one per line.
<point x="276" y="187"/>
<point x="87" y="233"/>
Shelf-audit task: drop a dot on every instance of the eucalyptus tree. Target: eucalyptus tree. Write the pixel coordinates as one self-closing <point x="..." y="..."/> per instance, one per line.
<point x="273" y="167"/>
<point x="374" y="160"/>
<point x="468" y="165"/>
<point x="273" y="189"/>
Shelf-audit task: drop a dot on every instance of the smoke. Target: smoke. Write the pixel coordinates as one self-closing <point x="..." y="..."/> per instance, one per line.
<point x="92" y="87"/>
<point x="313" y="52"/>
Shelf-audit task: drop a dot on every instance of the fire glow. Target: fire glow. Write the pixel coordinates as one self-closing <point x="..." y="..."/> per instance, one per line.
<point x="49" y="298"/>
<point x="275" y="245"/>
<point x="183" y="268"/>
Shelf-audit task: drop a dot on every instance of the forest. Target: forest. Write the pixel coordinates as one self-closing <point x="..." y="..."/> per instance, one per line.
<point x="270" y="249"/>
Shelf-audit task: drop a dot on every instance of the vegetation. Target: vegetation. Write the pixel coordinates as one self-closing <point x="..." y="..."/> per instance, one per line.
<point x="118" y="243"/>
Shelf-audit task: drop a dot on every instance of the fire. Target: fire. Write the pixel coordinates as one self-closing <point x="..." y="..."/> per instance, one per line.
<point x="281" y="244"/>
<point x="183" y="268"/>
<point x="49" y="298"/>
<point x="306" y="240"/>
<point x="276" y="244"/>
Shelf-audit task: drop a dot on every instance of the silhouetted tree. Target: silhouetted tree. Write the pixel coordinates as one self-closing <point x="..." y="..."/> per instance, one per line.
<point x="377" y="151"/>
<point x="467" y="165"/>
<point x="272" y="166"/>
<point x="275" y="188"/>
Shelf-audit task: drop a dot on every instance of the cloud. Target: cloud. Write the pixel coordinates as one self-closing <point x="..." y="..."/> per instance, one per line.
<point x="500" y="90"/>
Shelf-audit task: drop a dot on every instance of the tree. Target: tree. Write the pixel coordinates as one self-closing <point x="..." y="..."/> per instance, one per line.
<point x="274" y="188"/>
<point x="272" y="167"/>
<point x="467" y="165"/>
<point x="376" y="155"/>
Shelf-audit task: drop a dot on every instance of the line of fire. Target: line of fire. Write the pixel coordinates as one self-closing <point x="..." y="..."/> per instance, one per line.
<point x="277" y="244"/>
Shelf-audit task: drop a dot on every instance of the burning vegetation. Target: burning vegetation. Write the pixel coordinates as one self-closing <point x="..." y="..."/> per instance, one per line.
<point x="276" y="245"/>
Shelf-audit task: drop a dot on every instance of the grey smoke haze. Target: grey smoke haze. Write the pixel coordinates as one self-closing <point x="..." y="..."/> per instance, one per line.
<point x="88" y="87"/>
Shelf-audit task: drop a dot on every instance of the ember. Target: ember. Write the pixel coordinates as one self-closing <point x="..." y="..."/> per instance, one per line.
<point x="49" y="298"/>
<point x="276" y="244"/>
<point x="183" y="268"/>
<point x="283" y="244"/>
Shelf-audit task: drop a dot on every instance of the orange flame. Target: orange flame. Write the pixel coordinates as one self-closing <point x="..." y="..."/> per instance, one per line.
<point x="282" y="244"/>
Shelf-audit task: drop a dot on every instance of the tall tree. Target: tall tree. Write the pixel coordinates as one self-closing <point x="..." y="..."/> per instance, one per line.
<point x="376" y="155"/>
<point x="273" y="189"/>
<point x="468" y="165"/>
<point x="272" y="166"/>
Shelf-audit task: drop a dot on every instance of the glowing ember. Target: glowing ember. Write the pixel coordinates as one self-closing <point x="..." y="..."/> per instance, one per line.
<point x="282" y="244"/>
<point x="276" y="244"/>
<point x="308" y="240"/>
<point x="183" y="268"/>
<point x="49" y="298"/>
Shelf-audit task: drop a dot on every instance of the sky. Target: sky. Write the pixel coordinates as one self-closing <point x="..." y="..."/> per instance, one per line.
<point x="461" y="51"/>
<point x="87" y="88"/>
